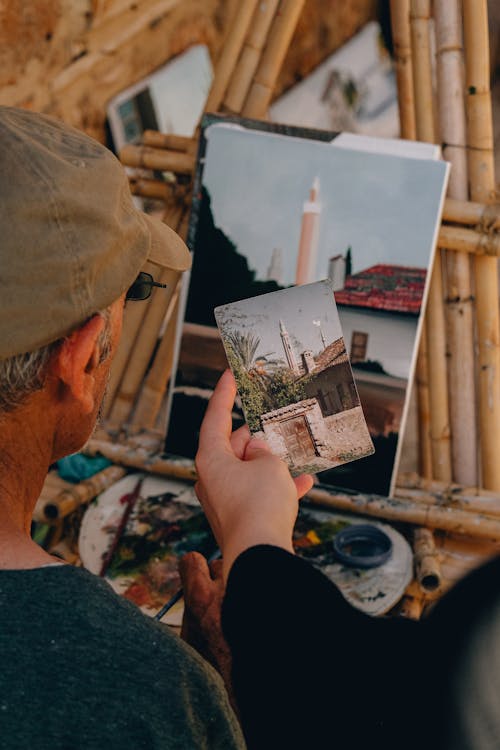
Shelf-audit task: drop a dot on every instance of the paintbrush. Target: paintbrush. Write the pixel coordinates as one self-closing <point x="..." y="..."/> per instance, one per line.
<point x="129" y="500"/>
<point x="180" y="593"/>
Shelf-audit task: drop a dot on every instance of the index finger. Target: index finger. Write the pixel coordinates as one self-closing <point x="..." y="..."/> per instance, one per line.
<point x="217" y="424"/>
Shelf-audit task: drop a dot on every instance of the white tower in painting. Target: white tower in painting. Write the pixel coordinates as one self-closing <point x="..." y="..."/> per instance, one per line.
<point x="336" y="271"/>
<point x="309" y="233"/>
<point x="289" y="353"/>
<point x="275" y="269"/>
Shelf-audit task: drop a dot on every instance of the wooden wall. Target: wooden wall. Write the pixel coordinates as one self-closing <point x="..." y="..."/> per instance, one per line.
<point x="69" y="57"/>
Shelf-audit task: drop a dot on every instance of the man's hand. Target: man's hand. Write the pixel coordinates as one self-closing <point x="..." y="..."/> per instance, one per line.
<point x="247" y="493"/>
<point x="201" y="627"/>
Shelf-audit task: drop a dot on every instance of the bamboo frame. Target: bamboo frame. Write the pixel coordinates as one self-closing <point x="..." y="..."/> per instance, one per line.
<point x="243" y="74"/>
<point x="459" y="311"/>
<point x="155" y="383"/>
<point x="69" y="499"/>
<point x="280" y="36"/>
<point x="132" y="322"/>
<point x="143" y="349"/>
<point x="424" y="409"/>
<point x="434" y="315"/>
<point x="147" y="157"/>
<point x="482" y="186"/>
<point x="230" y="53"/>
<point x="426" y="557"/>
<point x="400" y="19"/>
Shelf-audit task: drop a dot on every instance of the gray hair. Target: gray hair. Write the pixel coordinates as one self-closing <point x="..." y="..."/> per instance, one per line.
<point x="23" y="374"/>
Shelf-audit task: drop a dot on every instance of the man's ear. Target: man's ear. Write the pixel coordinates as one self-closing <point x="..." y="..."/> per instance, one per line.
<point x="77" y="359"/>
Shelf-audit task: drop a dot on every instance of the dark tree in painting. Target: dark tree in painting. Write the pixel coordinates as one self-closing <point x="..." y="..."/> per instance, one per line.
<point x="220" y="273"/>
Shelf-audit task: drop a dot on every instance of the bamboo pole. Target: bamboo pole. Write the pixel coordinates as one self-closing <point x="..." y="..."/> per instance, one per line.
<point x="424" y="409"/>
<point x="400" y="22"/>
<point x="278" y="41"/>
<point x="468" y="500"/>
<point x="426" y="556"/>
<point x="241" y="79"/>
<point x="147" y="157"/>
<point x="434" y="315"/>
<point x="155" y="383"/>
<point x="132" y="321"/>
<point x="142" y="458"/>
<point x="469" y="241"/>
<point x="411" y="607"/>
<point x="72" y="497"/>
<point x="150" y="188"/>
<point x="140" y="357"/>
<point x="459" y="312"/>
<point x="444" y="518"/>
<point x="482" y="186"/>
<point x="230" y="53"/>
<point x="420" y="11"/>
<point x="436" y="361"/>
<point x="471" y="213"/>
<point x="140" y="347"/>
<point x="169" y="141"/>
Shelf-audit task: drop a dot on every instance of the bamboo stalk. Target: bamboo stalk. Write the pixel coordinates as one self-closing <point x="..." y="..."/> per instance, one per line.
<point x="482" y="185"/>
<point x="469" y="241"/>
<point x="424" y="410"/>
<point x="169" y="141"/>
<point x="147" y="157"/>
<point x="438" y="391"/>
<point x="401" y="36"/>
<point x="427" y="565"/>
<point x="467" y="500"/>
<point x="449" y="519"/>
<point x="278" y="41"/>
<point x="155" y="383"/>
<point x="420" y="11"/>
<point x="434" y="316"/>
<point x="230" y="53"/>
<point x="241" y="79"/>
<point x="459" y="312"/>
<point x="150" y="188"/>
<point x="411" y="607"/>
<point x="132" y="320"/>
<point x="143" y="350"/>
<point x="141" y="458"/>
<point x="472" y="213"/>
<point x="72" y="497"/>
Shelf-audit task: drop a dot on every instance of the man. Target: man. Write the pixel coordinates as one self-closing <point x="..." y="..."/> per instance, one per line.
<point x="79" y="666"/>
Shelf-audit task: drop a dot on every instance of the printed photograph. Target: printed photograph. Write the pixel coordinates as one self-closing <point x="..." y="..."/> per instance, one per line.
<point x="276" y="207"/>
<point x="294" y="378"/>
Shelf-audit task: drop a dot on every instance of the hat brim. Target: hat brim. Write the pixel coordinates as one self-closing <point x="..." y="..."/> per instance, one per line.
<point x="167" y="249"/>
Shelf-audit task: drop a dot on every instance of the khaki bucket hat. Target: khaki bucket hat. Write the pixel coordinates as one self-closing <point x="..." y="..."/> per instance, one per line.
<point x="71" y="239"/>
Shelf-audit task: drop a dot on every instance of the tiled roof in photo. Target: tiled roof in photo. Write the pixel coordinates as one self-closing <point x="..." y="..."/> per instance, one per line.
<point x="385" y="287"/>
<point x="334" y="354"/>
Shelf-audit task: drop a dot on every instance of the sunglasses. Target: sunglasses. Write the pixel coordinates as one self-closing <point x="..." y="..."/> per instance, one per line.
<point x="142" y="287"/>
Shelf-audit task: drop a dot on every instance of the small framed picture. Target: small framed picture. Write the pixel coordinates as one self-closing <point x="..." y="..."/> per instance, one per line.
<point x="294" y="377"/>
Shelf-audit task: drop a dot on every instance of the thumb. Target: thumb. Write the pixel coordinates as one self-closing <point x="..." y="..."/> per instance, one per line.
<point x="255" y="448"/>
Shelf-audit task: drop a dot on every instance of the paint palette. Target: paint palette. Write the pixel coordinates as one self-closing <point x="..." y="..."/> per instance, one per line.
<point x="166" y="522"/>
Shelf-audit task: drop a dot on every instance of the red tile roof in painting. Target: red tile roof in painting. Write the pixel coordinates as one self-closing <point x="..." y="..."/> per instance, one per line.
<point x="385" y="287"/>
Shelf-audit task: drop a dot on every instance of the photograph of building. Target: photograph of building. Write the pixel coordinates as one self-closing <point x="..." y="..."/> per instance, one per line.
<point x="293" y="375"/>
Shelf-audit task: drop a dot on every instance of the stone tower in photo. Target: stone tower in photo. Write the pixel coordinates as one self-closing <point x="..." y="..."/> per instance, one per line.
<point x="289" y="353"/>
<point x="309" y="234"/>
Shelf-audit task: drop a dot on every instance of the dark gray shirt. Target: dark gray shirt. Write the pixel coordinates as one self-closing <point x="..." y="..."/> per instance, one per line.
<point x="81" y="668"/>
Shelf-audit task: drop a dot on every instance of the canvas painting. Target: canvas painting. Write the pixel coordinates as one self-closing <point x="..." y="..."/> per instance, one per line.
<point x="276" y="207"/>
<point x="294" y="378"/>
